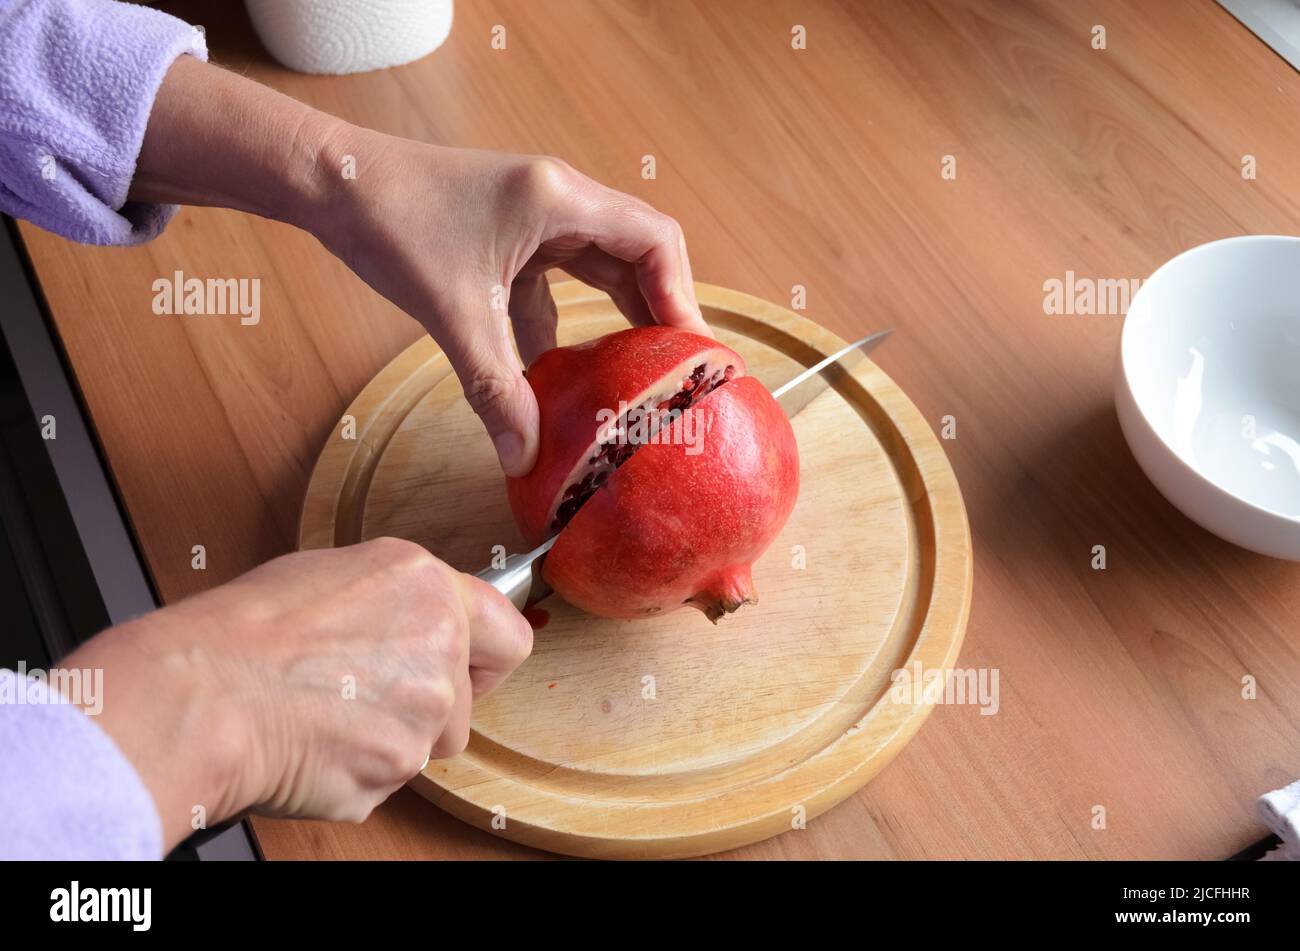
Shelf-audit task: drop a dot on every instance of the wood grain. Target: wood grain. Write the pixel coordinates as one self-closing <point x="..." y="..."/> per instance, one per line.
<point x="755" y="725"/>
<point x="821" y="167"/>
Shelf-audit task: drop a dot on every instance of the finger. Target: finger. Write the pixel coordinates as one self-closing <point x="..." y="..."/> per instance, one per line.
<point x="478" y="346"/>
<point x="617" y="279"/>
<point x="455" y="733"/>
<point x="688" y="279"/>
<point x="632" y="231"/>
<point x="500" y="639"/>
<point x="533" y="315"/>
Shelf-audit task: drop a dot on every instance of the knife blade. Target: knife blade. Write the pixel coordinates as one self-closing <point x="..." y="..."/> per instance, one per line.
<point x="795" y="394"/>
<point x="520" y="577"/>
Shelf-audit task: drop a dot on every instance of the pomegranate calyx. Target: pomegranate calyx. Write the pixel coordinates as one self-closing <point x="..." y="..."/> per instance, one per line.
<point x="727" y="593"/>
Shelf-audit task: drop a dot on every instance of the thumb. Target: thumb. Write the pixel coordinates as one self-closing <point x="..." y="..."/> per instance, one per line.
<point x="496" y="389"/>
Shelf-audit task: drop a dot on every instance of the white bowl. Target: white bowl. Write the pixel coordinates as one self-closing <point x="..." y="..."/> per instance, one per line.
<point x="1208" y="388"/>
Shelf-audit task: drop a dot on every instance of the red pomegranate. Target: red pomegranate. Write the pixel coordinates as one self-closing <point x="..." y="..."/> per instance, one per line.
<point x="665" y="470"/>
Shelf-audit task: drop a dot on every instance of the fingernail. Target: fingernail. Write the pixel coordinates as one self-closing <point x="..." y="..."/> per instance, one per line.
<point x="510" y="450"/>
<point x="689" y="306"/>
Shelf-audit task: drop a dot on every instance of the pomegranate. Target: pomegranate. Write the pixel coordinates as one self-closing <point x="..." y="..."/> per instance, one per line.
<point x="665" y="470"/>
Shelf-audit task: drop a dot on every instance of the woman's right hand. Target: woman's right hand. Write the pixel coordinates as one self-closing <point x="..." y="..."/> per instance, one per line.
<point x="312" y="686"/>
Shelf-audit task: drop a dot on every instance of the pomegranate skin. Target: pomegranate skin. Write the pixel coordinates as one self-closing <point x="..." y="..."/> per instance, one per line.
<point x="672" y="527"/>
<point x="574" y="384"/>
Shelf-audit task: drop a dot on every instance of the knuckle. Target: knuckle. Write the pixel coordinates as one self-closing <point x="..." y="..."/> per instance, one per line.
<point x="451" y="633"/>
<point x="390" y="548"/>
<point x="488" y="392"/>
<point x="521" y="645"/>
<point x="392" y="758"/>
<point x="446" y="640"/>
<point x="400" y="760"/>
<point x="444" y="632"/>
<point x="439" y="700"/>
<point x="406" y="558"/>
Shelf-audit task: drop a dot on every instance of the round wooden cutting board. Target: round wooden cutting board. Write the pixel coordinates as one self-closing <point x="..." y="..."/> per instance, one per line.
<point x="672" y="737"/>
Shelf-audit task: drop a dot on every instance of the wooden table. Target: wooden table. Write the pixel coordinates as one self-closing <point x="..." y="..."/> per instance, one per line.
<point x="1120" y="688"/>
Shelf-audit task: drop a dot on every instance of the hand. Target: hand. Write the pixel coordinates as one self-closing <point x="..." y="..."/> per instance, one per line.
<point x="456" y="238"/>
<point x="313" y="686"/>
<point x="460" y="238"/>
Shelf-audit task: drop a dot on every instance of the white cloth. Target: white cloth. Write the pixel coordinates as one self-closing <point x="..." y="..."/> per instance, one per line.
<point x="1280" y="811"/>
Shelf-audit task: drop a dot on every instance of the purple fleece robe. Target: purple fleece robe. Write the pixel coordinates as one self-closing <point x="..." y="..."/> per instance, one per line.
<point x="66" y="791"/>
<point x="77" y="81"/>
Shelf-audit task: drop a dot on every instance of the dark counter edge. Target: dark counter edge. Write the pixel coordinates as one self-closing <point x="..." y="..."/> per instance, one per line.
<point x="78" y="464"/>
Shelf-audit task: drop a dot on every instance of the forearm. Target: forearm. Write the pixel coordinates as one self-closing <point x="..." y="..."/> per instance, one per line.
<point x="158" y="707"/>
<point x="216" y="138"/>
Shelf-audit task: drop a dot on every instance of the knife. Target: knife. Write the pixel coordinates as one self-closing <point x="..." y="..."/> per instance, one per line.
<point x="520" y="576"/>
<point x="794" y="396"/>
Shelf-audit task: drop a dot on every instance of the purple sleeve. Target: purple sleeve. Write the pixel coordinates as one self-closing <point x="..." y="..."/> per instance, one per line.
<point x="77" y="81"/>
<point x="66" y="790"/>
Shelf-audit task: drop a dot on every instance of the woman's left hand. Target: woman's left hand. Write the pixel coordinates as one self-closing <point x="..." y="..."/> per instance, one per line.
<point x="459" y="239"/>
<point x="462" y="239"/>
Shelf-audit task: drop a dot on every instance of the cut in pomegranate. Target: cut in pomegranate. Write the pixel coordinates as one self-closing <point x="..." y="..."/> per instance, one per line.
<point x="639" y="426"/>
<point x="664" y="469"/>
